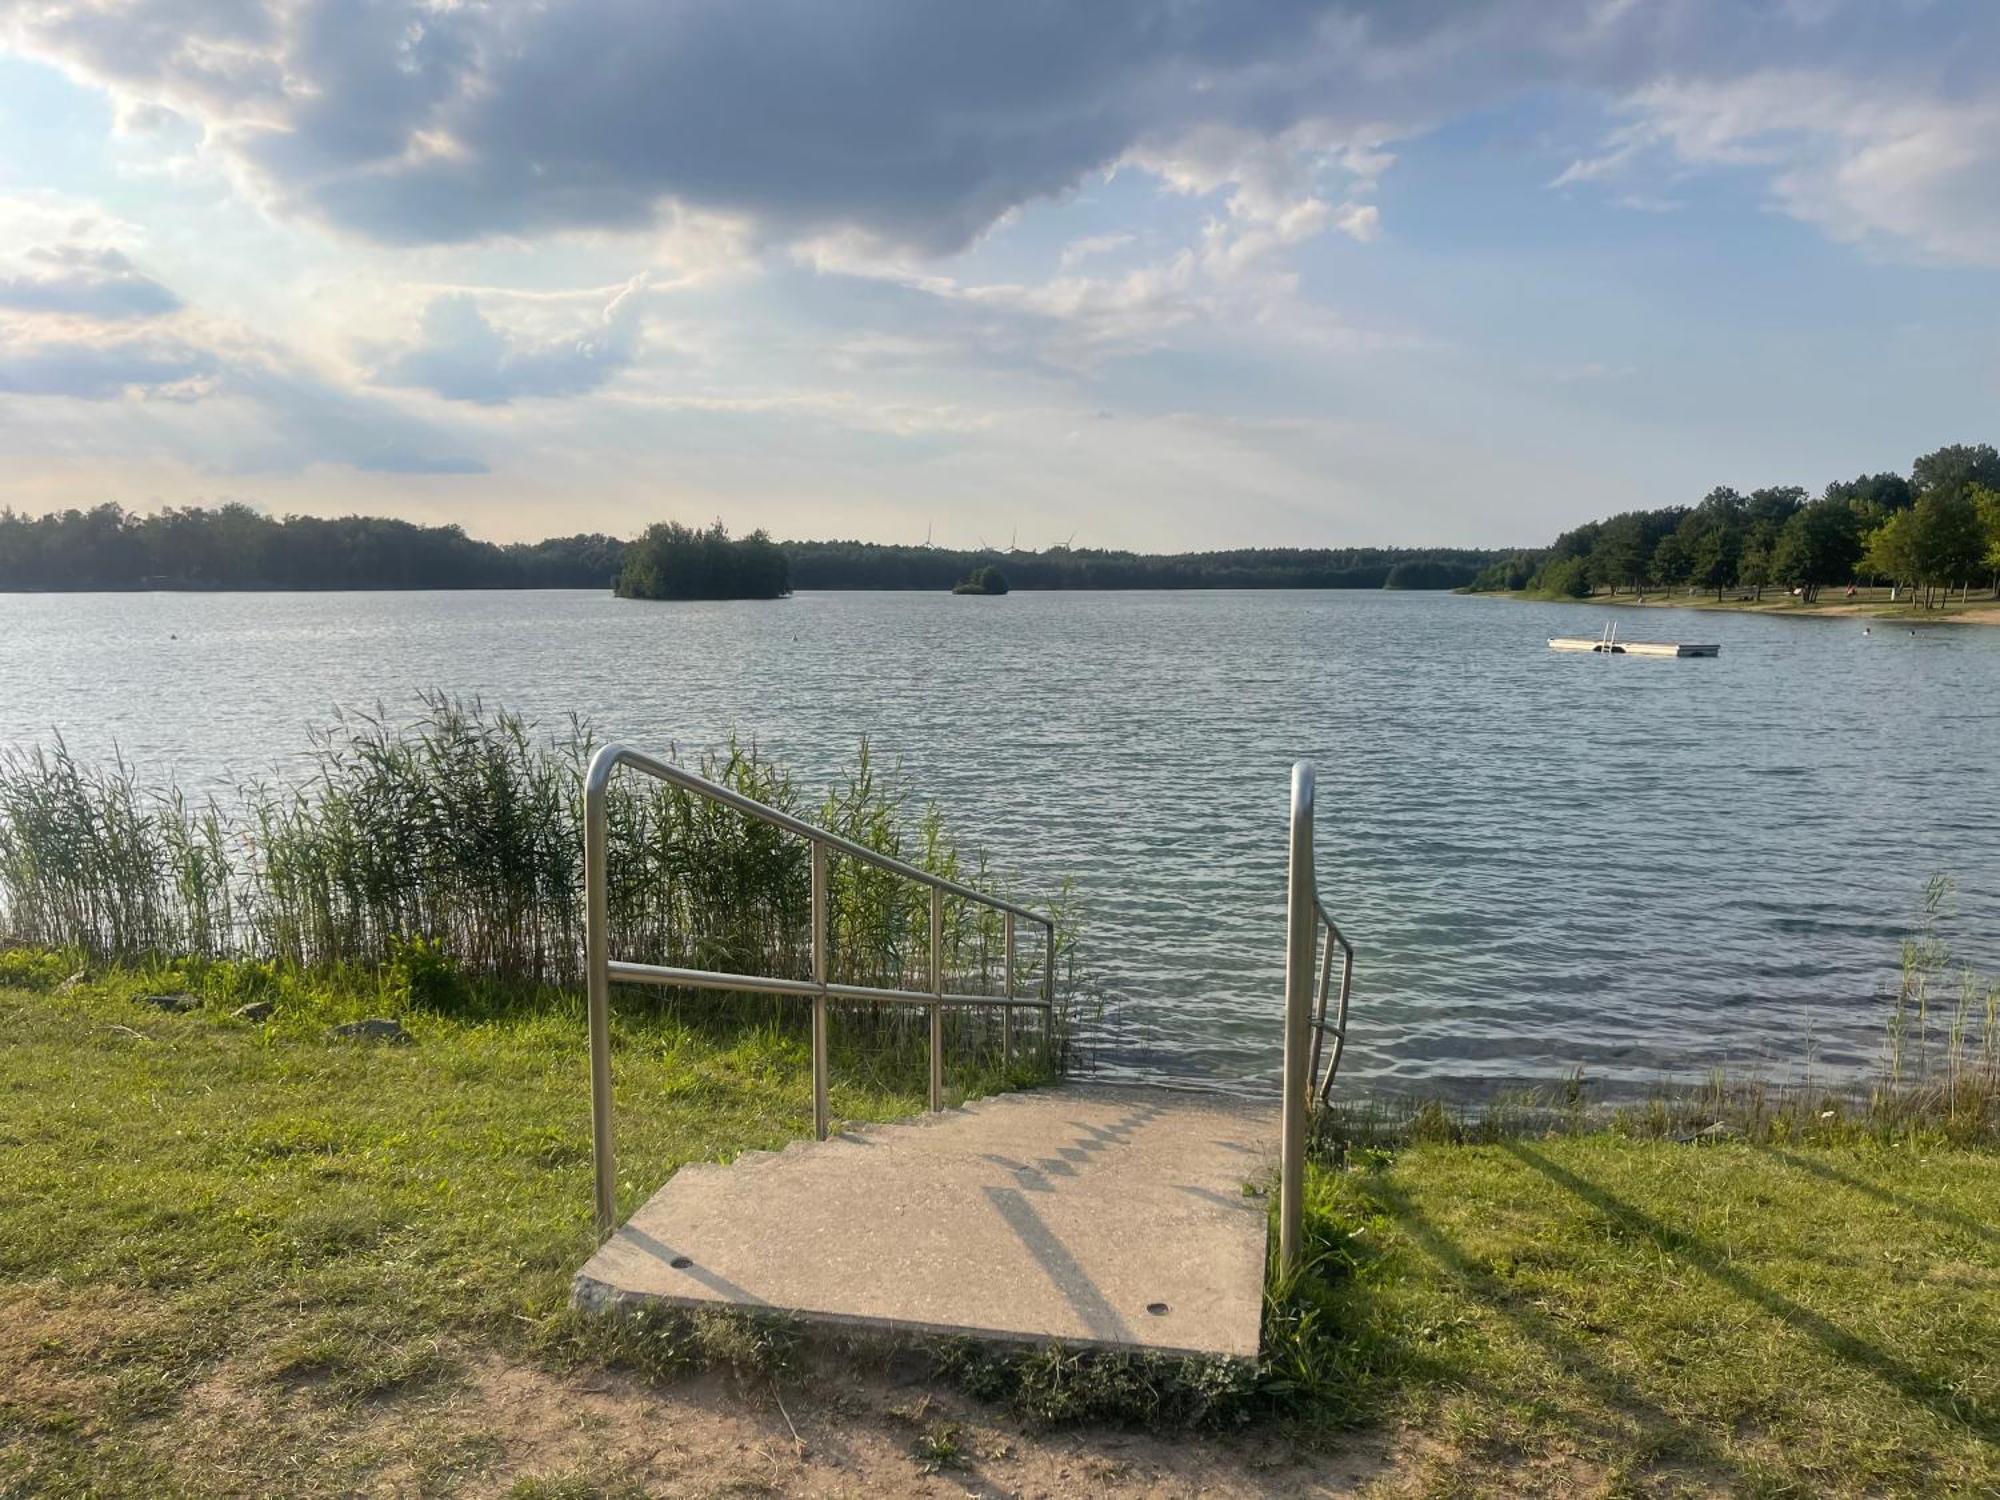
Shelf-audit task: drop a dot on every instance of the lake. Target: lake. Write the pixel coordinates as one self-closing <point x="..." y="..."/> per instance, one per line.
<point x="1641" y="868"/>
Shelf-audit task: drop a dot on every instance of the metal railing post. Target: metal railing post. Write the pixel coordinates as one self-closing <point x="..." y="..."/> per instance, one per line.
<point x="1049" y="996"/>
<point x="1301" y="945"/>
<point x="597" y="983"/>
<point x="819" y="968"/>
<point x="1007" y="1011"/>
<point x="937" y="988"/>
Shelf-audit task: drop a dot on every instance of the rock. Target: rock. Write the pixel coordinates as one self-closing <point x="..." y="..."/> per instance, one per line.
<point x="179" y="1003"/>
<point x="1719" y="1131"/>
<point x="256" y="1010"/>
<point x="374" y="1029"/>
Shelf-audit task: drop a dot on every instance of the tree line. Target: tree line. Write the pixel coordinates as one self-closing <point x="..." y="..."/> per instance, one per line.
<point x="875" y="565"/>
<point x="236" y="547"/>
<point x="1933" y="530"/>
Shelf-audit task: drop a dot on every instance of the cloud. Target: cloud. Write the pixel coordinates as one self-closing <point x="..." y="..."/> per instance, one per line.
<point x="102" y="369"/>
<point x="463" y="357"/>
<point x="412" y="121"/>
<point x="313" y="421"/>
<point x="919" y="127"/>
<point x="78" y="281"/>
<point x="1078" y="251"/>
<point x="1888" y="161"/>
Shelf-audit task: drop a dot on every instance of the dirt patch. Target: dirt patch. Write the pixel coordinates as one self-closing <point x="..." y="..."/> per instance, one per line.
<point x="825" y="1429"/>
<point x="62" y="1350"/>
<point x="832" y="1431"/>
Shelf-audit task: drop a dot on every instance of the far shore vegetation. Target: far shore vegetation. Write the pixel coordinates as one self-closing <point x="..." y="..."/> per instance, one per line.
<point x="987" y="580"/>
<point x="672" y="561"/>
<point x="1916" y="543"/>
<point x="234" y="547"/>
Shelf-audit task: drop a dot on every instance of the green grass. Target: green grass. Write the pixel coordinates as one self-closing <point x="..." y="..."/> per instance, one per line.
<point x="1600" y="1314"/>
<point x="224" y="1237"/>
<point x="191" y="1202"/>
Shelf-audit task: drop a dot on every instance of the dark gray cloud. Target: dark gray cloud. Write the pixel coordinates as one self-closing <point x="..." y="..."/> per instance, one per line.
<point x="463" y="357"/>
<point x="918" y="122"/>
<point x="94" y="370"/>
<point x="79" y="282"/>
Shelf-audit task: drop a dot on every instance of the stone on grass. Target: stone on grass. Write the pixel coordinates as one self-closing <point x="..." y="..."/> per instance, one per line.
<point x="256" y="1010"/>
<point x="374" y="1029"/>
<point x="180" y="1003"/>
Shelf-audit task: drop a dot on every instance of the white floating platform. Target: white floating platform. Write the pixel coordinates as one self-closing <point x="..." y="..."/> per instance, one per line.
<point x="1631" y="648"/>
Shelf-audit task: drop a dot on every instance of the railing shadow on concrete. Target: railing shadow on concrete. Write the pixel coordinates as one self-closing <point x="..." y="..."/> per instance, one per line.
<point x="601" y="969"/>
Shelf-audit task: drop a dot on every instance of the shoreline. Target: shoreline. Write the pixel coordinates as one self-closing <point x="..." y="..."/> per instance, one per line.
<point x="1974" y="612"/>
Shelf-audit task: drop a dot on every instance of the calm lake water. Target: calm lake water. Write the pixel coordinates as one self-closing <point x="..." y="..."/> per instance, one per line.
<point x="1642" y="868"/>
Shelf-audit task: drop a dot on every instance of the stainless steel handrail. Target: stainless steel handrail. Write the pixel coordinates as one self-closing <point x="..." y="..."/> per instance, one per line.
<point x="1306" y="1028"/>
<point x="600" y="968"/>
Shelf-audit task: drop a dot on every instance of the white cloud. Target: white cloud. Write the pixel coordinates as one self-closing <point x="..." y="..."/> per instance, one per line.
<point x="462" y="356"/>
<point x="1876" y="160"/>
<point x="1080" y="250"/>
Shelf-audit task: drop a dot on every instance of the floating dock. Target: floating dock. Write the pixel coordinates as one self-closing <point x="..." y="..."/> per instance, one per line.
<point x="1608" y="644"/>
<point x="1111" y="1218"/>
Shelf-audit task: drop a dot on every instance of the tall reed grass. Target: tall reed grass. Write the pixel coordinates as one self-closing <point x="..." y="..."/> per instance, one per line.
<point x="461" y="829"/>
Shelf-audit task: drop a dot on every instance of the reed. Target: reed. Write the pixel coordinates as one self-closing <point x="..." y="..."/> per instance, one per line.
<point x="460" y="830"/>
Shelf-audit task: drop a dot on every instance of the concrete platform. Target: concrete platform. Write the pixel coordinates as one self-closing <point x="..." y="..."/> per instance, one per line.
<point x="1091" y="1216"/>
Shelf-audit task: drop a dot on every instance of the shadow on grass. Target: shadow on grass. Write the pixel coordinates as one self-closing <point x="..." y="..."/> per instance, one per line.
<point x="1950" y="1217"/>
<point x="1714" y="1261"/>
<point x="1672" y="1439"/>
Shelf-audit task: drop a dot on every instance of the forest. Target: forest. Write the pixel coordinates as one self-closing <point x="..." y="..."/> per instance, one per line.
<point x="237" y="547"/>
<point x="1931" y="531"/>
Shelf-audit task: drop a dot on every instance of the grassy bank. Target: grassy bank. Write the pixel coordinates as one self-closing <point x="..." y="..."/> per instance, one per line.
<point x="247" y="1258"/>
<point x="224" y="1245"/>
<point x="1603" y="1315"/>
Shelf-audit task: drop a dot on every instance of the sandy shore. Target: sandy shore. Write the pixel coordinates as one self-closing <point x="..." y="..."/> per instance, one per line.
<point x="1869" y="605"/>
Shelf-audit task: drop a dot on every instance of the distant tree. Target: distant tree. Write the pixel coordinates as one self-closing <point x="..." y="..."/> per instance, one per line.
<point x="1988" y="502"/>
<point x="1773" y="505"/>
<point x="672" y="561"/>
<point x="1949" y="540"/>
<point x="1873" y="497"/>
<point x="1564" y="578"/>
<point x="1505" y="574"/>
<point x="1619" y="554"/>
<point x="1951" y="471"/>
<point x="1820" y="544"/>
<point x="1890" y="551"/>
<point x="1671" y="565"/>
<point x="986" y="580"/>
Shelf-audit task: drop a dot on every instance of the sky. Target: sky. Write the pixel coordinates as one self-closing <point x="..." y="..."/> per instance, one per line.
<point x="1160" y="274"/>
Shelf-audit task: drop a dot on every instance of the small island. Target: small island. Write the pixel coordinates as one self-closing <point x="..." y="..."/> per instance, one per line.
<point x="987" y="580"/>
<point x="672" y="561"/>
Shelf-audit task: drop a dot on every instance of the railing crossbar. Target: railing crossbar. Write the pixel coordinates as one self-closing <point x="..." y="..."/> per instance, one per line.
<point x="666" y="770"/>
<point x="602" y="970"/>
